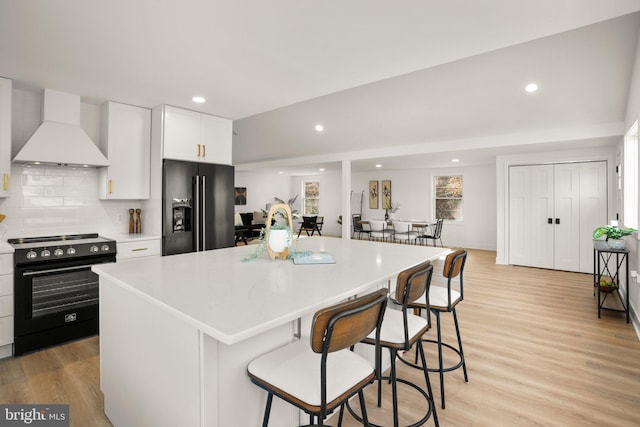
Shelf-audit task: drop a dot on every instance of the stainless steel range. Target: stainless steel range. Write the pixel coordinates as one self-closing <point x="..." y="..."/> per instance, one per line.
<point x="55" y="291"/>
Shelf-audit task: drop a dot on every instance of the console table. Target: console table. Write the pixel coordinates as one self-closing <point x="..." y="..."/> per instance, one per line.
<point x="603" y="265"/>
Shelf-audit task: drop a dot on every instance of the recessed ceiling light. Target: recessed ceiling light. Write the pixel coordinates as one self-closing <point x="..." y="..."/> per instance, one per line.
<point x="531" y="87"/>
<point x="36" y="163"/>
<point x="198" y="99"/>
<point x="455" y="160"/>
<point x="281" y="172"/>
<point x="378" y="166"/>
<point x="321" y="169"/>
<point x="85" y="166"/>
<point x="319" y="128"/>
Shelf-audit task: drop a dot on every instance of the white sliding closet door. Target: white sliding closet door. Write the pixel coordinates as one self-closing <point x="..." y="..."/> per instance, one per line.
<point x="552" y="211"/>
<point x="566" y="220"/>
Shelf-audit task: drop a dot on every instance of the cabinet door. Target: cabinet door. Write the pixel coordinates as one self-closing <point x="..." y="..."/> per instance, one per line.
<point x="216" y="134"/>
<point x="126" y="141"/>
<point x="181" y="134"/>
<point x="566" y="247"/>
<point x="5" y="136"/>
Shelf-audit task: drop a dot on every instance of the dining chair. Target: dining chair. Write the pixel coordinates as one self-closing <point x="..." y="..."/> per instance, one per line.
<point x="357" y="227"/>
<point x="309" y="224"/>
<point x="379" y="230"/>
<point x="400" y="330"/>
<point x="319" y="375"/>
<point x="437" y="233"/>
<point x="403" y="231"/>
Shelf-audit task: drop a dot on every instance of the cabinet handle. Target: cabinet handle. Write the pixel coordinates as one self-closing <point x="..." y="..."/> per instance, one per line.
<point x="198" y="150"/>
<point x="204" y="150"/>
<point x="557" y="220"/>
<point x="549" y="221"/>
<point x="110" y="186"/>
<point x="138" y="249"/>
<point x="6" y="182"/>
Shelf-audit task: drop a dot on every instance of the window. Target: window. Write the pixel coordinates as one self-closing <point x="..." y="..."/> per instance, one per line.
<point x="311" y="198"/>
<point x="448" y="197"/>
<point x="630" y="178"/>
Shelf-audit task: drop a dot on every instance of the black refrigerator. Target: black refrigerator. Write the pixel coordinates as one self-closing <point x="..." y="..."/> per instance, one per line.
<point x="198" y="206"/>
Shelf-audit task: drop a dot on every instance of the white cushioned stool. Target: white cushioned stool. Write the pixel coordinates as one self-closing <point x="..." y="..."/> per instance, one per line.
<point x="320" y="375"/>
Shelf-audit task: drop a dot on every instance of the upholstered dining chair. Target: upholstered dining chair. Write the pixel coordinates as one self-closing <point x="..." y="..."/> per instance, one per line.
<point x="403" y="232"/>
<point x="379" y="230"/>
<point x="319" y="375"/>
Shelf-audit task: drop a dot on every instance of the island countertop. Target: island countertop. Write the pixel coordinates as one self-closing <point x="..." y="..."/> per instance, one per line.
<point x="231" y="299"/>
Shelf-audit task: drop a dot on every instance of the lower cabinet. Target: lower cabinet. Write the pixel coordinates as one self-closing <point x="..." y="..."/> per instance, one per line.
<point x="138" y="248"/>
<point x="6" y="304"/>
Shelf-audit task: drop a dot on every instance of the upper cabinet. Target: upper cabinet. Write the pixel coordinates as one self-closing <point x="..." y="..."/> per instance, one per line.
<point x="197" y="137"/>
<point x="5" y="136"/>
<point x="125" y="139"/>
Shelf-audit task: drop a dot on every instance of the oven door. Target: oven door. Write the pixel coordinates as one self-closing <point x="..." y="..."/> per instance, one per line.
<point x="56" y="295"/>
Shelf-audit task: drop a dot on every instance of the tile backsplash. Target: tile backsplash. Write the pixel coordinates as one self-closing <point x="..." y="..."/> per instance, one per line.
<point x="60" y="200"/>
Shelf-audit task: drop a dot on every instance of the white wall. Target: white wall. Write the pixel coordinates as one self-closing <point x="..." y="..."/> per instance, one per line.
<point x="330" y="199"/>
<point x="633" y="114"/>
<point x="262" y="187"/>
<point x="413" y="190"/>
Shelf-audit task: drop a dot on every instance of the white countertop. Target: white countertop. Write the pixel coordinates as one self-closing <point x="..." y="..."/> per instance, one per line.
<point x="6" y="248"/>
<point x="232" y="300"/>
<point x="128" y="237"/>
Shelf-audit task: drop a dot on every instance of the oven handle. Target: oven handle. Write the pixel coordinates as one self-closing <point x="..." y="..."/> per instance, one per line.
<point x="55" y="270"/>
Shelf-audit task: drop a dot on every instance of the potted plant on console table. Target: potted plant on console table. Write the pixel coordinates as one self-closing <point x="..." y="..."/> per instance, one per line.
<point x="614" y="235"/>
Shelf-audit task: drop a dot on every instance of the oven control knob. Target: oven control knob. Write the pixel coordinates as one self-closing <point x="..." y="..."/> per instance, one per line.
<point x="71" y="251"/>
<point x="32" y="255"/>
<point x="105" y="248"/>
<point x="45" y="253"/>
<point x="58" y="252"/>
<point x="93" y="248"/>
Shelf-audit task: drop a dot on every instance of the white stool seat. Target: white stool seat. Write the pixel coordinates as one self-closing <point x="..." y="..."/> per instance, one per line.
<point x="392" y="329"/>
<point x="295" y="369"/>
<point x="439" y="297"/>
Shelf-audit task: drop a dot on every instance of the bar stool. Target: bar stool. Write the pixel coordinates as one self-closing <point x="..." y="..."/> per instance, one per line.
<point x="332" y="372"/>
<point x="444" y="300"/>
<point x="400" y="330"/>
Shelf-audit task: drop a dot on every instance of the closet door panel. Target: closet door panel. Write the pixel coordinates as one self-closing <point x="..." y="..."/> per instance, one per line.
<point x="519" y="215"/>
<point x="567" y="216"/>
<point x="593" y="208"/>
<point x="542" y="209"/>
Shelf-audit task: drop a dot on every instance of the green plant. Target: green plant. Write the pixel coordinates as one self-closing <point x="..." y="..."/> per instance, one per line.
<point x="612" y="232"/>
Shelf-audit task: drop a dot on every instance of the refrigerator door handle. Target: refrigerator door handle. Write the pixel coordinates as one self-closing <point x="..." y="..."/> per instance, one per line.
<point x="196" y="213"/>
<point x="204" y="213"/>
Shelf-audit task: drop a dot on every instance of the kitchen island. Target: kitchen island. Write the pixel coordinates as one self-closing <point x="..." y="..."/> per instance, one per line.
<point x="177" y="332"/>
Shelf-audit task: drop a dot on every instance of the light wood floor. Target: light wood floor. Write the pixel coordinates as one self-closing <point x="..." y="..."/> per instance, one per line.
<point x="537" y="355"/>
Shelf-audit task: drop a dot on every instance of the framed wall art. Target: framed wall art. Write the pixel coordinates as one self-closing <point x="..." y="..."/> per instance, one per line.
<point x="373" y="194"/>
<point x="385" y="192"/>
<point x="240" y="195"/>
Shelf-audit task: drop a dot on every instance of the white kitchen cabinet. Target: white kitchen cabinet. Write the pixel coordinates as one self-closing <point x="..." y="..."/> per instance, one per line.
<point x="139" y="248"/>
<point x="553" y="210"/>
<point x="5" y="136"/>
<point x="125" y="139"/>
<point x="197" y="137"/>
<point x="6" y="304"/>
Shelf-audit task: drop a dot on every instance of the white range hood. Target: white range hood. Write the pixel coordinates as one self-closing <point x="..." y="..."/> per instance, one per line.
<point x="60" y="140"/>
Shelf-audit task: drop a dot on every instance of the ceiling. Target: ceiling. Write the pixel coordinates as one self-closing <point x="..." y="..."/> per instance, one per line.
<point x="389" y="83"/>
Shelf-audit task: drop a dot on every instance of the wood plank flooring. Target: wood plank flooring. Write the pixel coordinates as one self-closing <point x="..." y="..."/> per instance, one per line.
<point x="537" y="355"/>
